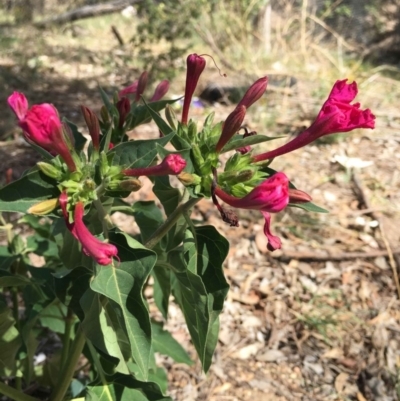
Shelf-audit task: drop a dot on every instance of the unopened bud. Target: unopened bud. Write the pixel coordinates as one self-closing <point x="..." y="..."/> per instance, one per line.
<point x="124" y="107"/>
<point x="131" y="185"/>
<point x="192" y="131"/>
<point x="92" y="123"/>
<point x="254" y="92"/>
<point x="198" y="157"/>
<point x="141" y="85"/>
<point x="105" y="117"/>
<point x="160" y="91"/>
<point x="189" y="179"/>
<point x="171" y="117"/>
<point x="49" y="170"/>
<point x="297" y="196"/>
<point x="44" y="207"/>
<point x="231" y="126"/>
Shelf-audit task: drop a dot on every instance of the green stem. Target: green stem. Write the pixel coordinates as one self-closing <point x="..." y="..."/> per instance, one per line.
<point x="104" y="217"/>
<point x="97" y="363"/>
<point x="15" y="394"/>
<point x="14" y="295"/>
<point x="68" y="370"/>
<point x="169" y="223"/>
<point x="69" y="319"/>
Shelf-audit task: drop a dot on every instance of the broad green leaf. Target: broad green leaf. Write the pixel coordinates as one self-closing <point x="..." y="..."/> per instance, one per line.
<point x="123" y="284"/>
<point x="238" y="141"/>
<point x="162" y="288"/>
<point x="148" y="217"/>
<point x="14" y="281"/>
<point x="103" y="328"/>
<point x="161" y="124"/>
<point x="310" y="207"/>
<point x="10" y="342"/>
<point x="200" y="286"/>
<point x="6" y="258"/>
<point x="159" y="376"/>
<point x="165" y="344"/>
<point x="135" y="154"/>
<point x="53" y="317"/>
<point x="70" y="286"/>
<point x="32" y="188"/>
<point x="79" y="139"/>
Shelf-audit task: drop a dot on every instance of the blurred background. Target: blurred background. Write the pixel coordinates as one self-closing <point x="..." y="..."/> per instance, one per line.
<point x="318" y="320"/>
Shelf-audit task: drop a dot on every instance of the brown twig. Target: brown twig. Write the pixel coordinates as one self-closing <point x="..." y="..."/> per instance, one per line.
<point x="116" y="33"/>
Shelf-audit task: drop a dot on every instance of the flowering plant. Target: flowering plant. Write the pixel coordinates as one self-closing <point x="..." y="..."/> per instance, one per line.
<point x="94" y="273"/>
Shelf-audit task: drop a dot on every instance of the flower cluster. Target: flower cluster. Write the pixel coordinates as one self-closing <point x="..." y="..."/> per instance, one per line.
<point x="246" y="175"/>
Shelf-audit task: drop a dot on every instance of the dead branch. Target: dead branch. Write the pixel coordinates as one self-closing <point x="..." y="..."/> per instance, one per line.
<point x="87" y="12"/>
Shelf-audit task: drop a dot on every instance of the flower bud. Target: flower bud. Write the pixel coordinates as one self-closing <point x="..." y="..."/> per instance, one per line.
<point x="49" y="170"/>
<point x="141" y="85"/>
<point x="123" y="107"/>
<point x="231" y="126"/>
<point x="195" y="66"/>
<point x="131" y="185"/>
<point x="19" y="104"/>
<point x="105" y="117"/>
<point x="297" y="196"/>
<point x="44" y="207"/>
<point x="129" y="89"/>
<point x="92" y="123"/>
<point x="160" y="91"/>
<point x="189" y="179"/>
<point x="171" y="117"/>
<point x="254" y="92"/>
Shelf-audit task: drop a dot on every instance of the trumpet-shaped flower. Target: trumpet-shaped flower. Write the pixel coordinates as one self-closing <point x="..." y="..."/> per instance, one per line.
<point x="172" y="164"/>
<point x="42" y="126"/>
<point x="336" y="115"/>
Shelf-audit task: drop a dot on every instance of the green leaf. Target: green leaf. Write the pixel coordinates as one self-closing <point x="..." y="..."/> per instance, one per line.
<point x="161" y="124"/>
<point x="162" y="288"/>
<point x="6" y="258"/>
<point x="14" y="281"/>
<point x="238" y="141"/>
<point x="165" y="344"/>
<point x="79" y="139"/>
<point x="104" y="327"/>
<point x="10" y="342"/>
<point x="310" y="207"/>
<point x="69" y="287"/>
<point x="124" y="284"/>
<point x="32" y="188"/>
<point x="135" y="154"/>
<point x="148" y="217"/>
<point x="53" y="317"/>
<point x="200" y="287"/>
<point x="106" y="101"/>
<point x="143" y="113"/>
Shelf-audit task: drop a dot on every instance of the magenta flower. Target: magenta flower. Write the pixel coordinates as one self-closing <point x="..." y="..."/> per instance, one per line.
<point x="42" y="126"/>
<point x="160" y="91"/>
<point x="93" y="124"/>
<point x="231" y="126"/>
<point x="129" y="89"/>
<point x="19" y="104"/>
<point x="100" y="251"/>
<point x="336" y="115"/>
<point x="272" y="195"/>
<point x="195" y="66"/>
<point x="254" y="92"/>
<point x="274" y="242"/>
<point x="172" y="164"/>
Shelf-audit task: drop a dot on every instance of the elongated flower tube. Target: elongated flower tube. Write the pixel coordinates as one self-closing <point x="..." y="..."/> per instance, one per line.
<point x="195" y="66"/>
<point x="254" y="92"/>
<point x="272" y="195"/>
<point x="129" y="89"/>
<point x="92" y="123"/>
<point x="336" y="115"/>
<point x="100" y="251"/>
<point x="232" y="125"/>
<point x="42" y="126"/>
<point x="141" y="85"/>
<point x="160" y="91"/>
<point x="172" y="164"/>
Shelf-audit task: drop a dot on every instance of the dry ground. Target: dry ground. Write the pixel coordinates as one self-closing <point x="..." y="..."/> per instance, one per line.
<point x="319" y="320"/>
